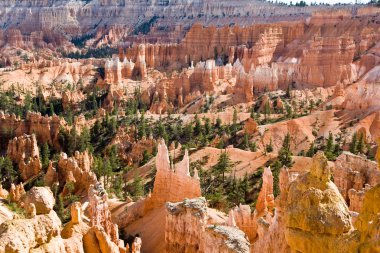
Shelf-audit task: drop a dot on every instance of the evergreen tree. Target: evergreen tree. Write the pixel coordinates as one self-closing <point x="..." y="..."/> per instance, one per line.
<point x="51" y="106"/>
<point x="224" y="164"/>
<point x="234" y="120"/>
<point x="28" y="103"/>
<point x="285" y="155"/>
<point x="218" y="122"/>
<point x="146" y="157"/>
<point x="253" y="146"/>
<point x="361" y="144"/>
<point x="8" y="174"/>
<point x="45" y="156"/>
<point x="137" y="187"/>
<point x="330" y="143"/>
<point x="220" y="143"/>
<point x="354" y="144"/>
<point x="269" y="147"/>
<point x="207" y="127"/>
<point x="311" y="151"/>
<point x="142" y="127"/>
<point x="246" y="142"/>
<point x="188" y="132"/>
<point x="197" y="126"/>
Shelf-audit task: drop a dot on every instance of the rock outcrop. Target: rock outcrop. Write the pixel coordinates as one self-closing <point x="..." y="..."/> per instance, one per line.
<point x="368" y="222"/>
<point x="171" y="185"/>
<point x="46" y="129"/>
<point x="354" y="175"/>
<point x="42" y="198"/>
<point x="16" y="192"/>
<point x="76" y="171"/>
<point x="24" y="152"/>
<point x="187" y="230"/>
<point x="316" y="215"/>
<point x="24" y="235"/>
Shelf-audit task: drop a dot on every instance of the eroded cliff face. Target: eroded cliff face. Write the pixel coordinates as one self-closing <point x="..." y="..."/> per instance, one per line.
<point x="314" y="195"/>
<point x="76" y="172"/>
<point x="172" y="184"/>
<point x="46" y="129"/>
<point x="354" y="176"/>
<point x="24" y="152"/>
<point x="187" y="230"/>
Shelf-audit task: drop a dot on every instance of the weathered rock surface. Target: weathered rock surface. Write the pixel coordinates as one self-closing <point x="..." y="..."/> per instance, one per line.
<point x="76" y="170"/>
<point x="22" y="235"/>
<point x="192" y="234"/>
<point x="368" y="222"/>
<point x="171" y="185"/>
<point x="46" y="129"/>
<point x="354" y="175"/>
<point x="42" y="198"/>
<point x="24" y="152"/>
<point x="316" y="215"/>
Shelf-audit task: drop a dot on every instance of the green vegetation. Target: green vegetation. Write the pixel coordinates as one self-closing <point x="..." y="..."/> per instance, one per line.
<point x="144" y="28"/>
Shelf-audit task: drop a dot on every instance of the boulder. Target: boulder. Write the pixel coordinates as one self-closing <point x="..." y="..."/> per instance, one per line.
<point x="42" y="198"/>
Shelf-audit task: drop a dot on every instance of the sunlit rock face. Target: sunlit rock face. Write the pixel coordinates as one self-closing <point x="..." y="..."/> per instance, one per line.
<point x="46" y="129"/>
<point x="317" y="217"/>
<point x="172" y="184"/>
<point x="76" y="171"/>
<point x="24" y="152"/>
<point x="354" y="176"/>
<point x="187" y="230"/>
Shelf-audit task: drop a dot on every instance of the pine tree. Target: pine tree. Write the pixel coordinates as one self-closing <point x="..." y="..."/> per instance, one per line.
<point x="198" y="126"/>
<point x="207" y="127"/>
<point x="330" y="143"/>
<point x="361" y="144"/>
<point x="246" y="142"/>
<point x="142" y="127"/>
<point x="311" y="151"/>
<point x="234" y="120"/>
<point x="269" y="147"/>
<point x="138" y="187"/>
<point x="354" y="144"/>
<point x="45" y="155"/>
<point x="218" y="122"/>
<point x="188" y="132"/>
<point x="253" y="146"/>
<point x="224" y="164"/>
<point x="285" y="155"/>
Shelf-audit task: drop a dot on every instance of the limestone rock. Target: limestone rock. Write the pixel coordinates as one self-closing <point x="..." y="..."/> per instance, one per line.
<point x="317" y="210"/>
<point x="265" y="200"/>
<point x="24" y="152"/>
<point x="250" y="126"/>
<point x="353" y="175"/>
<point x="16" y="192"/>
<point x="171" y="185"/>
<point x="22" y="235"/>
<point x="77" y="169"/>
<point x="187" y="230"/>
<point x="368" y="222"/>
<point x="97" y="241"/>
<point x="100" y="215"/>
<point x="42" y="198"/>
